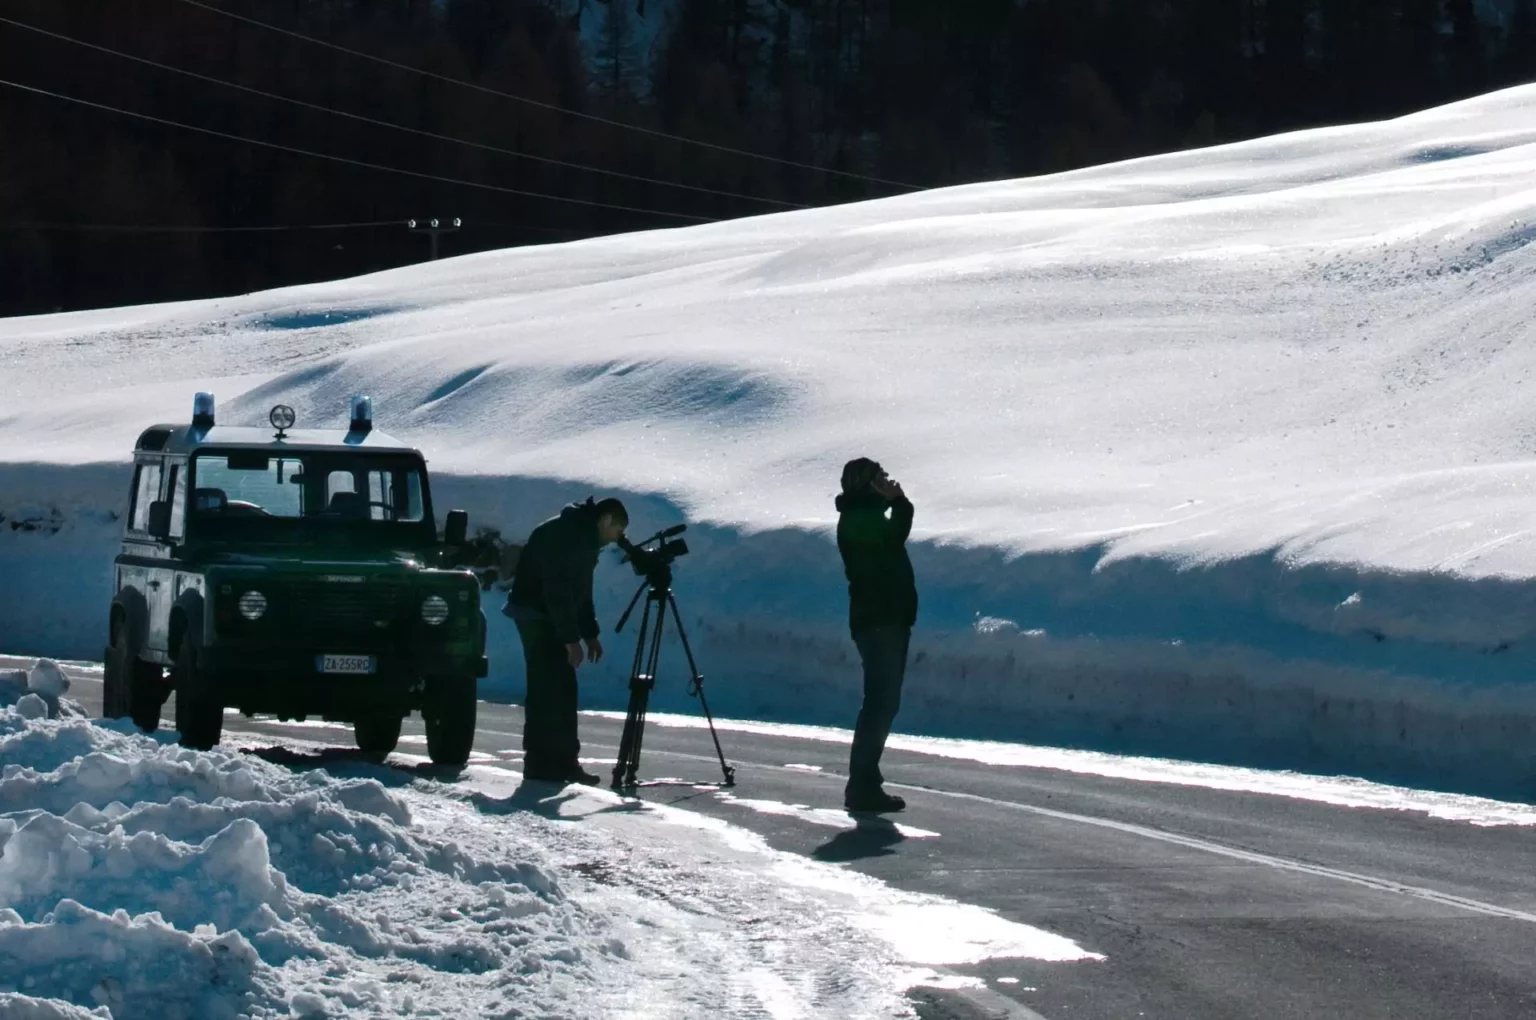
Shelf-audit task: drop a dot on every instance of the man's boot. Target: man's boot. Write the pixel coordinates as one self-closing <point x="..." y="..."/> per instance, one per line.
<point x="872" y="801"/>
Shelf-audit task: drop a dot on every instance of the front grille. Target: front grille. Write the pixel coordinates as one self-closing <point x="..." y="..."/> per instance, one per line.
<point x="345" y="608"/>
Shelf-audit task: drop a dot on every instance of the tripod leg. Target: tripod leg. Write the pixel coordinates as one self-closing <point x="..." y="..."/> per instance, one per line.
<point x="696" y="686"/>
<point x="634" y="717"/>
<point x="653" y="661"/>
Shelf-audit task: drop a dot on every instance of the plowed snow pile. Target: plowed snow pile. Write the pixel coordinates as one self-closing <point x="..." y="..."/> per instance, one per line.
<point x="143" y="881"/>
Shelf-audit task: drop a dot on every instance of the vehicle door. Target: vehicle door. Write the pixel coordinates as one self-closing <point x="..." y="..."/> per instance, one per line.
<point x="171" y="573"/>
<point x="139" y="562"/>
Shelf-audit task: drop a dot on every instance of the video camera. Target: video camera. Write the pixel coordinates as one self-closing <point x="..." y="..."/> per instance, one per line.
<point x="652" y="562"/>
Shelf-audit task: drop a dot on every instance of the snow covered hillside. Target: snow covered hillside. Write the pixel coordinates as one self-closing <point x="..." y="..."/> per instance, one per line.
<point x="1226" y="453"/>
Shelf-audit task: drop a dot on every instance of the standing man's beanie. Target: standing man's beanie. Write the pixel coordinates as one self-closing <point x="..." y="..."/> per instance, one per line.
<point x="858" y="473"/>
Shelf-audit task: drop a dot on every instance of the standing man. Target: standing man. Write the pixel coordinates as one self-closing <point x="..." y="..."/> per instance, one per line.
<point x="874" y="520"/>
<point x="551" y="602"/>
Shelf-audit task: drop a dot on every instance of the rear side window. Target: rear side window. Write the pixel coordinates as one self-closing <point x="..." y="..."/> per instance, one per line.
<point x="145" y="492"/>
<point x="178" y="501"/>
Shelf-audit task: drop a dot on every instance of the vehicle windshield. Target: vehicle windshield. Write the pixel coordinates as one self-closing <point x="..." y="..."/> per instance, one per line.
<point x="258" y="495"/>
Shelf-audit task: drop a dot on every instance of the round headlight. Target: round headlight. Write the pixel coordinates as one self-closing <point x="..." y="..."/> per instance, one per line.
<point x="253" y="605"/>
<point x="434" y="610"/>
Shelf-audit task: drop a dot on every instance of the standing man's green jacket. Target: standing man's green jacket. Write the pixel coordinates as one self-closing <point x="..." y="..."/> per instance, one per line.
<point x="881" y="589"/>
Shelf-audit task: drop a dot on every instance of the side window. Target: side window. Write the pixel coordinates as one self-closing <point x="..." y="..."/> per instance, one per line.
<point x="178" y="488"/>
<point x="146" y="492"/>
<point x="133" y="495"/>
<point x="400" y="491"/>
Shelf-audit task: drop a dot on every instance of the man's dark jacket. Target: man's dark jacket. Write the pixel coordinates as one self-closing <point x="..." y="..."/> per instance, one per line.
<point x="881" y="588"/>
<point x="554" y="574"/>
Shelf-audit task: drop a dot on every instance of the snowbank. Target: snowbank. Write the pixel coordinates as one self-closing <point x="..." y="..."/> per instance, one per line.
<point x="159" y="882"/>
<point x="1220" y="454"/>
<point x="142" y="880"/>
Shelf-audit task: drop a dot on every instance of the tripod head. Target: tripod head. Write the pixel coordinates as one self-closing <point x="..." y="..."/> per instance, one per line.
<point x="655" y="565"/>
<point x="650" y="563"/>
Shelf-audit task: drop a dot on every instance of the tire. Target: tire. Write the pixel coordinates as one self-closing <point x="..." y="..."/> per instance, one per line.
<point x="377" y="735"/>
<point x="449" y="714"/>
<point x="130" y="686"/>
<point x="199" y="719"/>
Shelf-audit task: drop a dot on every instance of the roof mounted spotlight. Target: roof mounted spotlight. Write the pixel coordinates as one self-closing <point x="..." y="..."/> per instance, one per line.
<point x="362" y="415"/>
<point x="202" y="411"/>
<point x="282" y="419"/>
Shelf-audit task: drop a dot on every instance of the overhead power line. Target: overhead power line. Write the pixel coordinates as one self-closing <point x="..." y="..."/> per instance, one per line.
<point x="141" y="228"/>
<point x="592" y="203"/>
<point x="397" y="127"/>
<point x="553" y="107"/>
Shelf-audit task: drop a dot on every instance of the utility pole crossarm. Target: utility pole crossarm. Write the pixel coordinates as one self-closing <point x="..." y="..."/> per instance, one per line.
<point x="434" y="228"/>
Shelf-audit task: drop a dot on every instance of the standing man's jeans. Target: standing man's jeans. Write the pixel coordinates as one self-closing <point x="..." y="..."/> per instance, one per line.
<point x="883" y="651"/>
<point x="549" y="712"/>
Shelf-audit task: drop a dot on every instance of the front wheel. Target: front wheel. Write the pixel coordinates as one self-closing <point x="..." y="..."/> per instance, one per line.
<point x="377" y="735"/>
<point x="449" y="714"/>
<point x="199" y="719"/>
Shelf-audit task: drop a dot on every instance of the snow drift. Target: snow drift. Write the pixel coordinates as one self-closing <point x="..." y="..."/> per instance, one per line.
<point x="1222" y="454"/>
<point x="151" y="881"/>
<point x="139" y="879"/>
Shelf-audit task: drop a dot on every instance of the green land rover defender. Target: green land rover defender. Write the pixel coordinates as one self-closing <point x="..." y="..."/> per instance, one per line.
<point x="292" y="572"/>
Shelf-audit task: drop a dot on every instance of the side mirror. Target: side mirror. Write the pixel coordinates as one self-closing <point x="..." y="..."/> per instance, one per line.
<point x="455" y="528"/>
<point x="160" y="519"/>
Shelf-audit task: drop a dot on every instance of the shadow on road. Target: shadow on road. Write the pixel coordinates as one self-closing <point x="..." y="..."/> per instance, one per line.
<point x="532" y="796"/>
<point x="354" y="763"/>
<point x="870" y="837"/>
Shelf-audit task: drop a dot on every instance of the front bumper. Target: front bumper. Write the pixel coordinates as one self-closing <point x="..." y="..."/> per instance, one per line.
<point x="288" y="681"/>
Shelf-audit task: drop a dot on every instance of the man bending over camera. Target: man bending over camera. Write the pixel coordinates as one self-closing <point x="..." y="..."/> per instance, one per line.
<point x="551" y="602"/>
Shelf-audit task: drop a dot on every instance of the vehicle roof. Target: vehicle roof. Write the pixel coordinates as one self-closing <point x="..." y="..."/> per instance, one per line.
<point x="186" y="439"/>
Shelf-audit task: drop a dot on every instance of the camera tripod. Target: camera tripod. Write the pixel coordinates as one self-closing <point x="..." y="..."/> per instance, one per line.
<point x="657" y="589"/>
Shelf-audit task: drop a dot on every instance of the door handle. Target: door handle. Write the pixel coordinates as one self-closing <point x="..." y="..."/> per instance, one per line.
<point x="155" y="585"/>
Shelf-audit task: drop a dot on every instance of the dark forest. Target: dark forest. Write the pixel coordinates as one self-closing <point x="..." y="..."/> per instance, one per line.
<point x="525" y="124"/>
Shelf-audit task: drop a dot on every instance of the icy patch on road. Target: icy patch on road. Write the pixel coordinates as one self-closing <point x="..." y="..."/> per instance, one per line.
<point x="825" y="817"/>
<point x="869" y="939"/>
<point x="142" y="879"/>
<point x="1341" y="791"/>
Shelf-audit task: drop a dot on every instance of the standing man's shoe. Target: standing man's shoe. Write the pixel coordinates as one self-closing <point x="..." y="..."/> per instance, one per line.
<point x="561" y="774"/>
<point x="873" y="802"/>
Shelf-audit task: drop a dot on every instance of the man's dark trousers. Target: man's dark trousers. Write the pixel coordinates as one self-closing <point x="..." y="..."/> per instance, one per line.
<point x="549" y="724"/>
<point x="883" y="651"/>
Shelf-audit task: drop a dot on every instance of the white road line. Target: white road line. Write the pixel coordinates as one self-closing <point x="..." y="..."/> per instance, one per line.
<point x="1189" y="842"/>
<point x="1237" y="853"/>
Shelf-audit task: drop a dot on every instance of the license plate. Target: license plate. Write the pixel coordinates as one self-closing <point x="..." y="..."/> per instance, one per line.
<point x="344" y="663"/>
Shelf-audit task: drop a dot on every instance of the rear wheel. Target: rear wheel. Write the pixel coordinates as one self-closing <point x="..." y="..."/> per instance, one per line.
<point x="199" y="719"/>
<point x="449" y="714"/>
<point x="130" y="686"/>
<point x="377" y="735"/>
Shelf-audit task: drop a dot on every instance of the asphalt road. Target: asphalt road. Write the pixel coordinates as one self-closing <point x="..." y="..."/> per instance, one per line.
<point x="1206" y="903"/>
